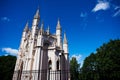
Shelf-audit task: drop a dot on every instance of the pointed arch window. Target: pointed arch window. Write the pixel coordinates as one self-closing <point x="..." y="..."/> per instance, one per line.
<point x="50" y="64"/>
<point x="57" y="65"/>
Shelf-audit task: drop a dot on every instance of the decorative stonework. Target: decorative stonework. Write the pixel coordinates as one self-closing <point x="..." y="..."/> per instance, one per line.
<point x="41" y="54"/>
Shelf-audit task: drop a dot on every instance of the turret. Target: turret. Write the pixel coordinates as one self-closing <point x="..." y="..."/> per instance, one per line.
<point x="39" y="38"/>
<point x="25" y="32"/>
<point x="26" y="29"/>
<point x="58" y="33"/>
<point x="48" y="30"/>
<point x="65" y="44"/>
<point x="65" y="48"/>
<point x="42" y="29"/>
<point x="33" y="39"/>
<point x="35" y="23"/>
<point x="37" y="16"/>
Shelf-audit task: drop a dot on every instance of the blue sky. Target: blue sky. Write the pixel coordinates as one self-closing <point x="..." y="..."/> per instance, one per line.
<point x="87" y="23"/>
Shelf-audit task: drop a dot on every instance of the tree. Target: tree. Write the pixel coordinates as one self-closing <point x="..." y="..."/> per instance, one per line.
<point x="89" y="67"/>
<point x="7" y="64"/>
<point x="74" y="69"/>
<point x="104" y="64"/>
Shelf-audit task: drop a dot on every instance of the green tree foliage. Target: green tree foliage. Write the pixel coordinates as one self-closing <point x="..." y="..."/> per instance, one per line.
<point x="74" y="69"/>
<point x="7" y="64"/>
<point x="104" y="64"/>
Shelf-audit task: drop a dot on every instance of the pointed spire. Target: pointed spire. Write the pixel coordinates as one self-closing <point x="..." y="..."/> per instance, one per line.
<point x="42" y="29"/>
<point x="42" y="25"/>
<point x="58" y="24"/>
<point x="26" y="27"/>
<point x="37" y="16"/>
<point x="65" y="39"/>
<point x="48" y="30"/>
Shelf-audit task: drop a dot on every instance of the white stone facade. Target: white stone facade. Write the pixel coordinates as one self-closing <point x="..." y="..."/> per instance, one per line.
<point x="42" y="55"/>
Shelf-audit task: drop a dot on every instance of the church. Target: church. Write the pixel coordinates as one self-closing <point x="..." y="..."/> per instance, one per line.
<point x="42" y="55"/>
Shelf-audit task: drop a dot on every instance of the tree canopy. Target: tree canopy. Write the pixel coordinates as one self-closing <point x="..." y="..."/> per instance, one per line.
<point x="104" y="64"/>
<point x="7" y="64"/>
<point x="74" y="69"/>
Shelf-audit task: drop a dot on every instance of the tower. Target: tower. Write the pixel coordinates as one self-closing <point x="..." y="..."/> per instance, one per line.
<point x="58" y="34"/>
<point x="42" y="55"/>
<point x="65" y="48"/>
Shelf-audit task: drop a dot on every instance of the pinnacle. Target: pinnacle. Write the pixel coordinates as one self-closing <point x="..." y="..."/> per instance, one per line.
<point x="58" y="25"/>
<point x="48" y="30"/>
<point x="26" y="27"/>
<point x="37" y="16"/>
<point x="42" y="29"/>
<point x="65" y="39"/>
<point x="42" y="25"/>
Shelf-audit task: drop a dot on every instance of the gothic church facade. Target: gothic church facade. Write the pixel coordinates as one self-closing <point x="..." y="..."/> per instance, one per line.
<point x="42" y="55"/>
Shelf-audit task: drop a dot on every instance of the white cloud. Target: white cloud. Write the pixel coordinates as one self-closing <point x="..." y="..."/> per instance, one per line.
<point x="77" y="56"/>
<point x="5" y="19"/>
<point x="117" y="7"/>
<point x="117" y="11"/>
<point x="101" y="5"/>
<point x="6" y="54"/>
<point x="10" y="51"/>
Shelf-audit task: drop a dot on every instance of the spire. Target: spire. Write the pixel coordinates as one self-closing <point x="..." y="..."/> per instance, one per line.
<point x="58" y="24"/>
<point x="42" y="29"/>
<point x="26" y="27"/>
<point x="65" y="39"/>
<point x="48" y="30"/>
<point x="37" y="16"/>
<point x="42" y="25"/>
